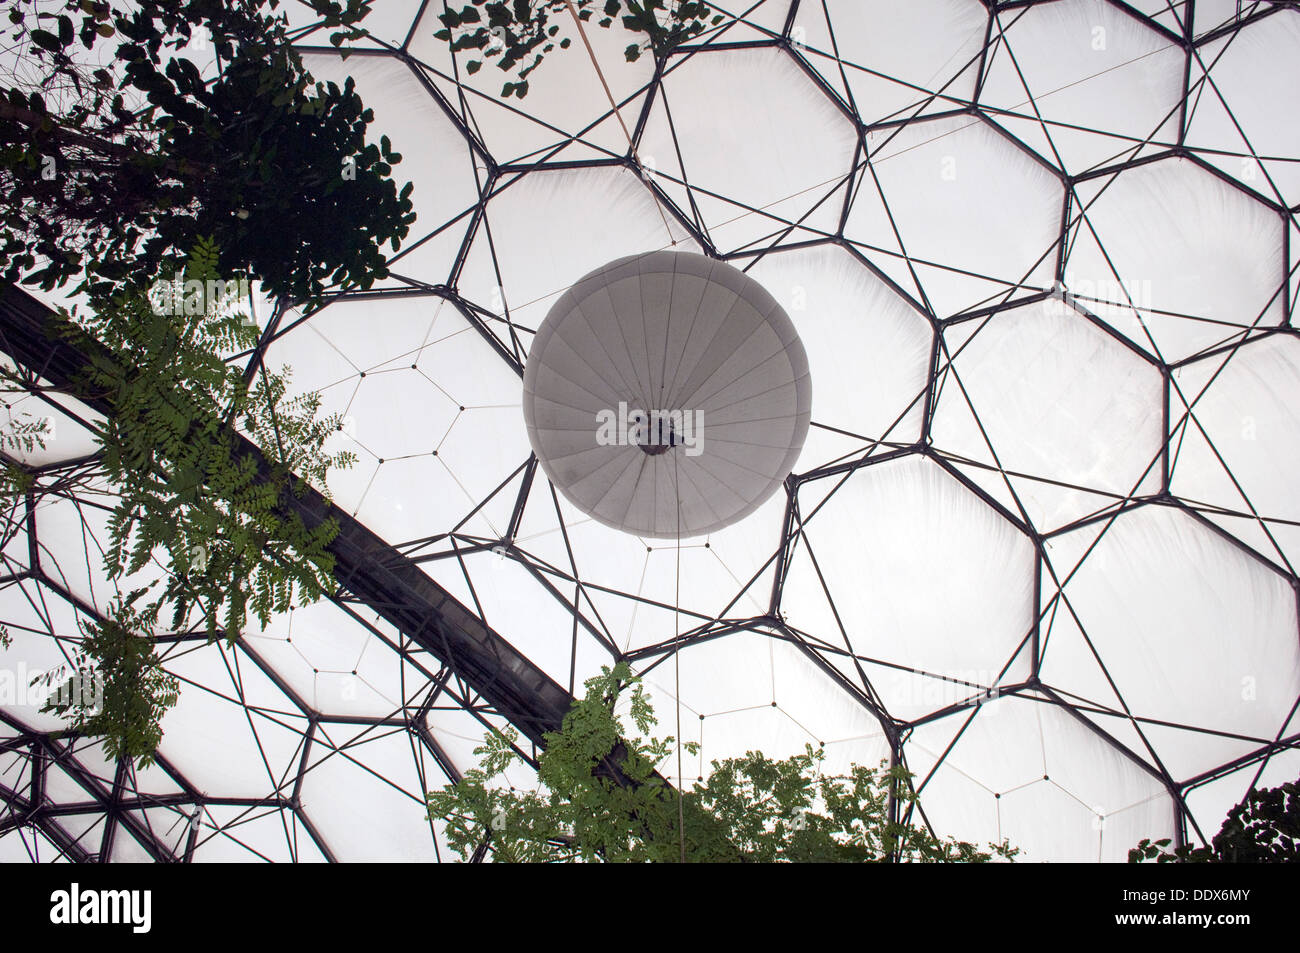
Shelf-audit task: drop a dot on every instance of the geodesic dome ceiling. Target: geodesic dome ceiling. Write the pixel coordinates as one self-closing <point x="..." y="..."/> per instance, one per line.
<point x="1041" y="542"/>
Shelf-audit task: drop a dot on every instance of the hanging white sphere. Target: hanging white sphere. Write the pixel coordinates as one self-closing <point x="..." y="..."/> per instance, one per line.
<point x="667" y="394"/>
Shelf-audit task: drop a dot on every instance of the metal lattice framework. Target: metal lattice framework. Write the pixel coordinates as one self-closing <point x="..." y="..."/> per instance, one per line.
<point x="1040" y="547"/>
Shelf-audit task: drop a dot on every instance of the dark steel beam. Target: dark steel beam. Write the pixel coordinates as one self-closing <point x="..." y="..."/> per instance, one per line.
<point x="367" y="566"/>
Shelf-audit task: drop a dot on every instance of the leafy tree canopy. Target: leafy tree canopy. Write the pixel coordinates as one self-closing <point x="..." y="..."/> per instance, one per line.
<point x="198" y="523"/>
<point x="134" y="691"/>
<point x="110" y="170"/>
<point x="517" y="35"/>
<point x="1263" y="828"/>
<point x="600" y="799"/>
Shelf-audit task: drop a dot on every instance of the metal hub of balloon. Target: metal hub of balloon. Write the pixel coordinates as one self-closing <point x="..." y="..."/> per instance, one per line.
<point x="667" y="394"/>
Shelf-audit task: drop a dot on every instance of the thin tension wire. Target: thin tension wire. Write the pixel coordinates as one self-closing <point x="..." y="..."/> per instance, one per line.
<point x="614" y="106"/>
<point x="677" y="666"/>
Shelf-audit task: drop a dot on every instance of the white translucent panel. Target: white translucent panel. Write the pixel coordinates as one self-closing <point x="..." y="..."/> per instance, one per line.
<point x="1189" y="629"/>
<point x="673" y="334"/>
<point x="169" y="825"/>
<point x="1212" y="14"/>
<point x="607" y="558"/>
<point x="736" y="560"/>
<point x="483" y="447"/>
<point x="897" y="57"/>
<point x="779" y="147"/>
<point x="1044" y="396"/>
<point x="25" y="845"/>
<point x="62" y="787"/>
<point x="867" y="347"/>
<point x="954" y="803"/>
<point x="85" y="830"/>
<point x="211" y="740"/>
<point x="15" y="551"/>
<point x="726" y="573"/>
<point x="1163" y="13"/>
<point x="71" y="542"/>
<point x="1175" y="259"/>
<point x="1236" y="432"/>
<point x="90" y="754"/>
<point x="127" y="850"/>
<point x="63" y="529"/>
<point x="61" y="422"/>
<point x="252" y="834"/>
<point x="460" y="362"/>
<point x="348" y="337"/>
<point x="909" y="694"/>
<point x="1074" y="834"/>
<point x="381" y="682"/>
<point x="317" y="651"/>
<point x="776" y="701"/>
<point x="387" y="24"/>
<point x="977" y="216"/>
<point x="565" y="96"/>
<point x="150" y="780"/>
<point x="1244" y="82"/>
<point x="551" y="228"/>
<point x="457" y="734"/>
<point x="768" y="15"/>
<point x="1084" y="82"/>
<point x="542" y="629"/>
<point x="921" y="572"/>
<point x="364" y="796"/>
<point x="33" y="616"/>
<point x="406" y="498"/>
<point x="1026" y="754"/>
<point x="380" y="423"/>
<point x="15" y="770"/>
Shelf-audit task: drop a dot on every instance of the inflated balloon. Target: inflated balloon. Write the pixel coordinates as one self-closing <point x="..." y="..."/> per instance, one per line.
<point x="667" y="394"/>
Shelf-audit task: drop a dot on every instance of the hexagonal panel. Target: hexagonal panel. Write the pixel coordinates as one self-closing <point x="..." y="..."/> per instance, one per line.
<point x="780" y="154"/>
<point x="1233" y="429"/>
<point x="919" y="571"/>
<point x="1243" y="81"/>
<point x="1047" y="405"/>
<point x="956" y="213"/>
<point x="998" y="771"/>
<point x="1164" y="618"/>
<point x="868" y="349"/>
<point x="544" y="231"/>
<point x="1084" y="82"/>
<point x="893" y="60"/>
<point x="1174" y="258"/>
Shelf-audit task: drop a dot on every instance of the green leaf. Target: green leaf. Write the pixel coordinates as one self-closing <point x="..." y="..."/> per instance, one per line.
<point x="46" y="40"/>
